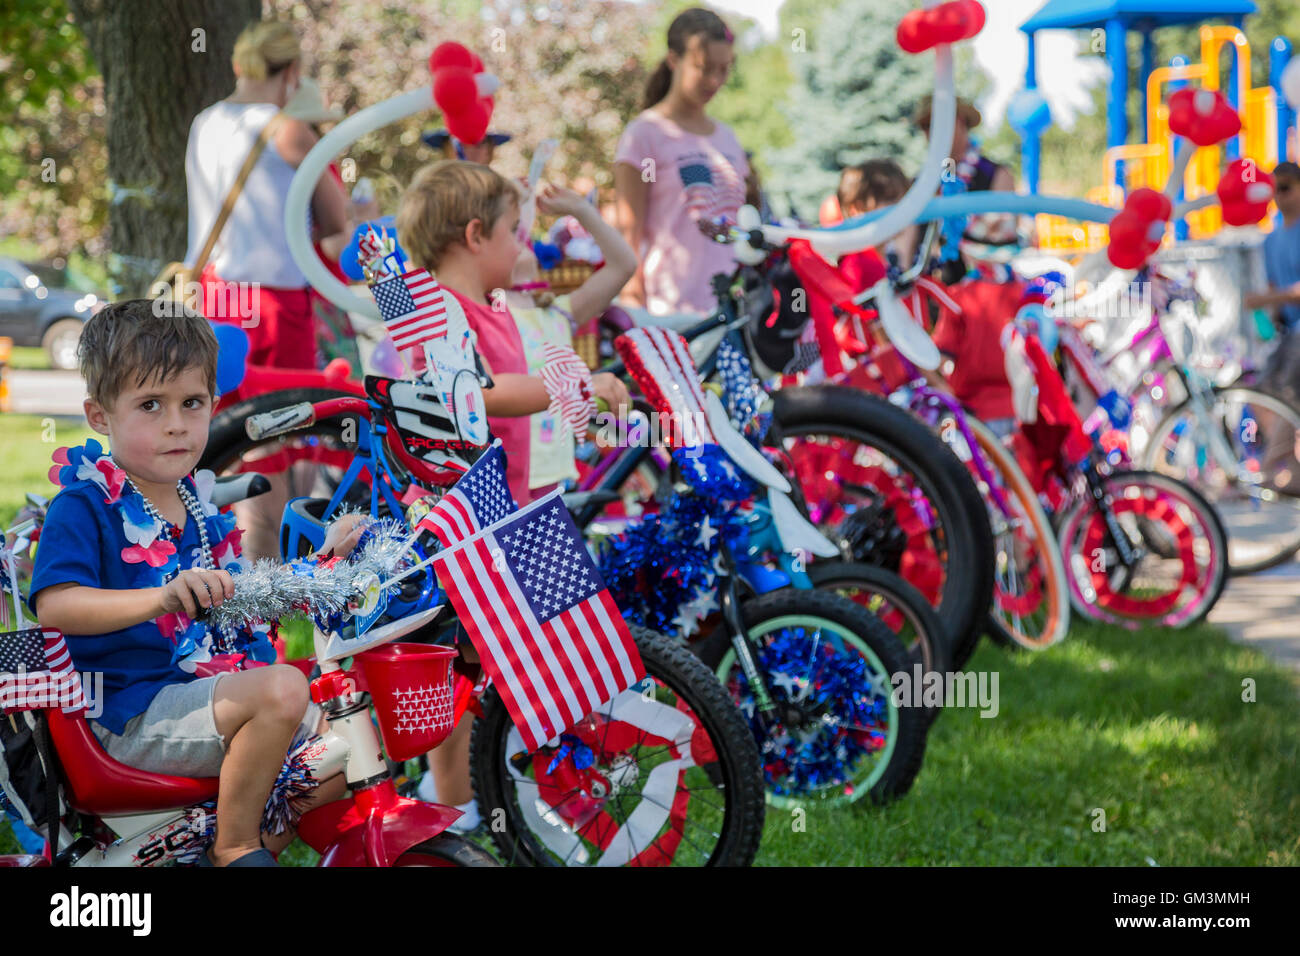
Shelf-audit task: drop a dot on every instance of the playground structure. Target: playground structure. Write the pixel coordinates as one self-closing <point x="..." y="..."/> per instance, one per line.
<point x="1267" y="121"/>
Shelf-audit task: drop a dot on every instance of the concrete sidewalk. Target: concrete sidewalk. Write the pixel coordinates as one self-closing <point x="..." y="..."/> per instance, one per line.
<point x="1263" y="610"/>
<point x="45" y="392"/>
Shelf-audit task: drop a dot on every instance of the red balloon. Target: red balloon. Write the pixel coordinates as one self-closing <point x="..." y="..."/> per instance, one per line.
<point x="451" y="54"/>
<point x="1244" y="192"/>
<point x="470" y="126"/>
<point x="475" y="63"/>
<point x="1125" y="257"/>
<point x="920" y="30"/>
<point x="1127" y="229"/>
<point x="1149" y="204"/>
<point x="1203" y="116"/>
<point x="454" y="90"/>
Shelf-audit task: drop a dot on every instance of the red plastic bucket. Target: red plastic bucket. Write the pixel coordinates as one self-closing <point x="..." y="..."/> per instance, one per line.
<point x="411" y="688"/>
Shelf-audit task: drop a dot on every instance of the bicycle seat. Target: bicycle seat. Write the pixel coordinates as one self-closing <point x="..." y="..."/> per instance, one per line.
<point x="98" y="784"/>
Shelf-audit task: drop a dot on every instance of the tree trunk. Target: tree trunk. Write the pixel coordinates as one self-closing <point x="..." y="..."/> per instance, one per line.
<point x="163" y="61"/>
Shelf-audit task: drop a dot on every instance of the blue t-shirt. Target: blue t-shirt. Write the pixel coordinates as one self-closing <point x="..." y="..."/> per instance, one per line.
<point x="1282" y="264"/>
<point x="81" y="542"/>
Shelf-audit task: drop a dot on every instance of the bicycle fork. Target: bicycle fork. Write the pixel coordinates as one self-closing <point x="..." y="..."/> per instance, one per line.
<point x="1129" y="554"/>
<point x="730" y="602"/>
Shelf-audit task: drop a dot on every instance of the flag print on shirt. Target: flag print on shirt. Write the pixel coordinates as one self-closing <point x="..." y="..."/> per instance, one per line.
<point x="713" y="187"/>
<point x="549" y="634"/>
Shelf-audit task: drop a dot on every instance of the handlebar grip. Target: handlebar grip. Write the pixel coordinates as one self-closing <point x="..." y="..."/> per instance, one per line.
<point x="279" y="421"/>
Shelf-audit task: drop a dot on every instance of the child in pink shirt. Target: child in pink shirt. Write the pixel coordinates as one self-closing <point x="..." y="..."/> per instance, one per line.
<point x="459" y="220"/>
<point x="675" y="165"/>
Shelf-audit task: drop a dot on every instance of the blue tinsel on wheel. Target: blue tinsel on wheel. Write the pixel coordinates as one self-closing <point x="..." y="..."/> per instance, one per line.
<point x="667" y="561"/>
<point x="801" y="666"/>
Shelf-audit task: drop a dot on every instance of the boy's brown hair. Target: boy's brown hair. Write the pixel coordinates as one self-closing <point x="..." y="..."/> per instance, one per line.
<point x="880" y="179"/>
<point x="442" y="200"/>
<point x="140" y="340"/>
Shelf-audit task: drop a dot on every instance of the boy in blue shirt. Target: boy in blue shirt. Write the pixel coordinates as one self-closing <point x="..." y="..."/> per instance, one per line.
<point x="130" y="544"/>
<point x="1282" y="252"/>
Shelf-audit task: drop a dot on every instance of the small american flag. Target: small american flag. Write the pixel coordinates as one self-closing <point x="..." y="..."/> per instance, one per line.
<point x="568" y="382"/>
<point x="412" y="308"/>
<point x="549" y="634"/>
<point x="481" y="497"/>
<point x="36" y="672"/>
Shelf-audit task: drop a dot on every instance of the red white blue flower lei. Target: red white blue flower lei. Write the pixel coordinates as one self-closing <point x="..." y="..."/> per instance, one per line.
<point x="146" y="543"/>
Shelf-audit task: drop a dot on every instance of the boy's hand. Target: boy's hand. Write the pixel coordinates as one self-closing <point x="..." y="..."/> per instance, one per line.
<point x="194" y="590"/>
<point x="343" y="534"/>
<point x="612" y="391"/>
<point x="557" y="201"/>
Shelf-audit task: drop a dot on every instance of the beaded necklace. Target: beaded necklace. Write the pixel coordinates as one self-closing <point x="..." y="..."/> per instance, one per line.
<point x="195" y="511"/>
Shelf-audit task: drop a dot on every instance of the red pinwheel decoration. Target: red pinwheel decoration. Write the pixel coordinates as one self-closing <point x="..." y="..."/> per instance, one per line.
<point x="1244" y="192"/>
<point x="1203" y="116"/>
<point x="922" y="30"/>
<point x="462" y="90"/>
<point x="1137" y="229"/>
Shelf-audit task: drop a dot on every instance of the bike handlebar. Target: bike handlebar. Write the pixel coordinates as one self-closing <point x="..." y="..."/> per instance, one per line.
<point x="302" y="415"/>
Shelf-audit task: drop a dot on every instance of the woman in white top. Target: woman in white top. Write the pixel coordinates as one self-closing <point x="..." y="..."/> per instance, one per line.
<point x="251" y="277"/>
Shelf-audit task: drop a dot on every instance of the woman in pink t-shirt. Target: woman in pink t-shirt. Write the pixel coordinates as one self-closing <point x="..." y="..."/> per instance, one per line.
<point x="675" y="165"/>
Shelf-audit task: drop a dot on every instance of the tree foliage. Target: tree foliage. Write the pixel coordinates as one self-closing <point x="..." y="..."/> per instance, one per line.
<point x="853" y="99"/>
<point x="53" y="154"/>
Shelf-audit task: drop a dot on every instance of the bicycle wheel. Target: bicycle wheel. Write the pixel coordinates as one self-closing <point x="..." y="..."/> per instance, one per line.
<point x="229" y="449"/>
<point x="1241" y="454"/>
<point x="875" y="477"/>
<point x="1031" y="604"/>
<point x="666" y="774"/>
<point x="893" y="602"/>
<point x="840" y="733"/>
<point x="1160" y="516"/>
<point x="446" y="849"/>
<point x="308" y="462"/>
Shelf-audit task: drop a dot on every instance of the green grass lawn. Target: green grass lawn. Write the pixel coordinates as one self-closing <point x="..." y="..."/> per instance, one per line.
<point x="28" y="442"/>
<point x="29" y="357"/>
<point x="1150" y="728"/>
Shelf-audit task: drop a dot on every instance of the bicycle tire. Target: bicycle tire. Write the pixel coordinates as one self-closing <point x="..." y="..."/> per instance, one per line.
<point x="446" y="849"/>
<point x="1102" y="605"/>
<point x="227" y="439"/>
<point x="895" y="603"/>
<point x="904" y="754"/>
<point x="727" y="739"/>
<point x="1243" y="558"/>
<point x="841" y="412"/>
<point x="1046" y="555"/>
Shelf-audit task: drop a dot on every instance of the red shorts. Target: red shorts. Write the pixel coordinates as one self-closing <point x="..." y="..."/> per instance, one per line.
<point x="279" y="322"/>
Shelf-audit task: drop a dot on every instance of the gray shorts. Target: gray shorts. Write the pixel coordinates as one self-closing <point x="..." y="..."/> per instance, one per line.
<point x="177" y="735"/>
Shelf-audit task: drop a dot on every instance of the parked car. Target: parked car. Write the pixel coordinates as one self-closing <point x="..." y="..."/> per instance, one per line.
<point x="45" y="306"/>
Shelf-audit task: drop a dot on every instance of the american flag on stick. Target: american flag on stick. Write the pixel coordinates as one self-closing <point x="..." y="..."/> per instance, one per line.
<point x="547" y="630"/>
<point x="36" y="672"/>
<point x="480" y="497"/>
<point x="412" y="307"/>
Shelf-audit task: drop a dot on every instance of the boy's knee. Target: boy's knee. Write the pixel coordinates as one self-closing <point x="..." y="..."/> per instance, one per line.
<point x="286" y="693"/>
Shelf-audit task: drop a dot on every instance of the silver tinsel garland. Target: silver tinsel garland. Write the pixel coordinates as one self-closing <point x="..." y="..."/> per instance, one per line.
<point x="269" y="590"/>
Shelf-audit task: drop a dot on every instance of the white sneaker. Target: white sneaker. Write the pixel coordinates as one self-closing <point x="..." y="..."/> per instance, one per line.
<point x="470" y="818"/>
